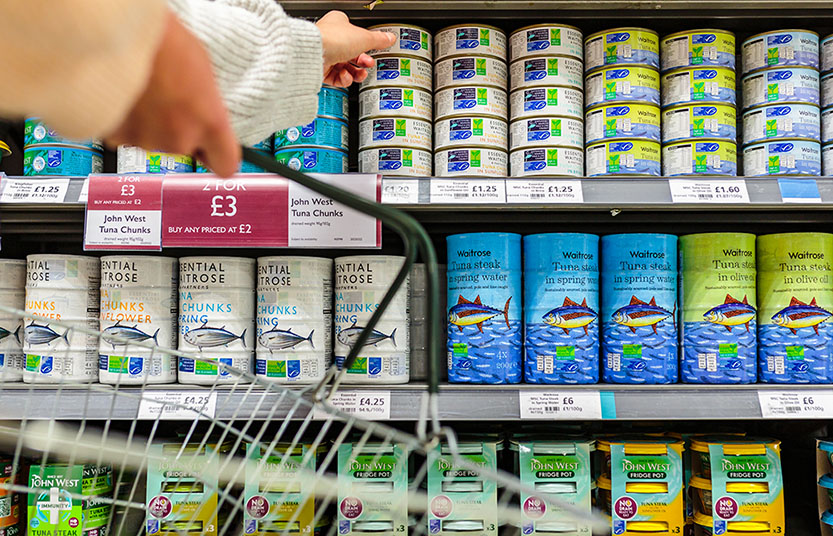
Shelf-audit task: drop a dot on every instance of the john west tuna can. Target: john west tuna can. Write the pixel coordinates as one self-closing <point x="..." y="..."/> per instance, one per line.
<point x="322" y="131"/>
<point x="137" y="160"/>
<point x="12" y="294"/>
<point x="561" y="304"/>
<point x="782" y="158"/>
<point x="478" y="39"/>
<point x="709" y="120"/>
<point x="622" y="84"/>
<point x="484" y="308"/>
<point x="546" y="39"/>
<point x="621" y="46"/>
<point x="471" y="162"/>
<point x="713" y="48"/>
<point x="776" y="121"/>
<point x="395" y="131"/>
<point x="63" y="288"/>
<point x="396" y="162"/>
<point x="294" y="318"/>
<point x="546" y="101"/>
<point x="216" y="318"/>
<point x="700" y="157"/>
<point x="360" y="284"/>
<point x="396" y="102"/>
<point x="138" y="305"/>
<point x="795" y="295"/>
<point x="780" y="85"/>
<point x="543" y="131"/>
<point x="698" y="84"/>
<point x="781" y="48"/>
<point x="623" y="157"/>
<point x="625" y="120"/>
<point x="462" y="131"/>
<point x="547" y="161"/>
<point x="718" y="296"/>
<point x="639" y="308"/>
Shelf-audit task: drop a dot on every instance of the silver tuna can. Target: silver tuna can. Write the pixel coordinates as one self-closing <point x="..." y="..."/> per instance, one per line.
<point x="546" y="101"/>
<point x="546" y="71"/>
<point x="470" y="70"/>
<point x="360" y="284"/>
<point x="827" y="159"/>
<point x="626" y="83"/>
<point x="707" y="120"/>
<point x="781" y="48"/>
<point x="546" y="132"/>
<point x="395" y="131"/>
<point x="396" y="102"/>
<point x="294" y="318"/>
<point x="776" y="121"/>
<point x="400" y="71"/>
<point x="410" y="41"/>
<point x="138" y="304"/>
<point x="471" y="162"/>
<point x="698" y="84"/>
<point x="782" y="158"/>
<point x="137" y="160"/>
<point x="827" y="126"/>
<point x="546" y="39"/>
<point x="622" y="46"/>
<point x="827" y="90"/>
<point x="700" y="158"/>
<point x="396" y="162"/>
<point x="465" y="39"/>
<point x="216" y="318"/>
<point x="547" y="162"/>
<point x="693" y="48"/>
<point x="470" y="100"/>
<point x="419" y="320"/>
<point x="625" y="120"/>
<point x="467" y="130"/>
<point x="779" y="85"/>
<point x="12" y="294"/>
<point x="64" y="288"/>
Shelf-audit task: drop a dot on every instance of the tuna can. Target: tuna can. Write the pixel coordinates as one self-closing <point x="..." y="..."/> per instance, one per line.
<point x="65" y="288"/>
<point x="470" y="70"/>
<point x="471" y="162"/>
<point x="544" y="131"/>
<point x="718" y="297"/>
<point x="322" y="132"/>
<point x="12" y="294"/>
<point x="639" y="308"/>
<point x="698" y="84"/>
<point x="396" y="162"/>
<point x="622" y="84"/>
<point x="333" y="102"/>
<point x="138" y="304"/>
<point x="387" y="131"/>
<point x="545" y="40"/>
<point x="410" y="40"/>
<point x="467" y="39"/>
<point x="622" y="45"/>
<point x="827" y="159"/>
<point x="795" y="295"/>
<point x="484" y="308"/>
<point x="466" y="130"/>
<point x="35" y="132"/>
<point x="827" y="126"/>
<point x="693" y="48"/>
<point x="313" y="159"/>
<point x="781" y="48"/>
<point x="361" y="283"/>
<point x="137" y="160"/>
<point x="623" y="157"/>
<point x="716" y="121"/>
<point x="827" y="90"/>
<point x="294" y="318"/>
<point x="626" y="120"/>
<point x="216" y="318"/>
<point x="778" y="121"/>
<point x="396" y="102"/>
<point x="561" y="304"/>
<point x="470" y="100"/>
<point x="700" y="157"/>
<point x="782" y="158"/>
<point x="245" y="167"/>
<point x="546" y="101"/>
<point x="398" y="72"/>
<point x="547" y="162"/>
<point x="775" y="86"/>
<point x="827" y="54"/>
<point x="61" y="160"/>
<point x="546" y="71"/>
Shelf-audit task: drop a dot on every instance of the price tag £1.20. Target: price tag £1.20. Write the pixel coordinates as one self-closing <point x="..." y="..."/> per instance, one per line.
<point x="705" y="191"/>
<point x="370" y="405"/>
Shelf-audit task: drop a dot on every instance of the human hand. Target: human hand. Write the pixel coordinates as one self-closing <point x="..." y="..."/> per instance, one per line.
<point x="345" y="46"/>
<point x="181" y="110"/>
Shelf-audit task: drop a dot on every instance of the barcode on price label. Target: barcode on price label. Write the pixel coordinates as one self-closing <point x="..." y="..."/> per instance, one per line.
<point x="177" y="406"/>
<point x="699" y="191"/>
<point x="468" y="191"/>
<point x="795" y="404"/>
<point x="578" y="405"/>
<point x="369" y="405"/>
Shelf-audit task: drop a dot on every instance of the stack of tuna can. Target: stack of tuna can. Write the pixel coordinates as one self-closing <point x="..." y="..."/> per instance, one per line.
<point x="47" y="153"/>
<point x="470" y="102"/>
<point x="827" y="105"/>
<point x="395" y="108"/>
<point x="130" y="159"/>
<point x="699" y="121"/>
<point x="546" y="138"/>
<point x="622" y="91"/>
<point x="781" y="118"/>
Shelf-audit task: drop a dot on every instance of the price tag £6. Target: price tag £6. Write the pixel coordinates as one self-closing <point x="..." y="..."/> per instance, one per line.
<point x="795" y="404"/>
<point x="568" y="405"/>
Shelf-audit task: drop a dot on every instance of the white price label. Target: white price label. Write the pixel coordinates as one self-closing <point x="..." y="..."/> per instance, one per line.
<point x="85" y="191"/>
<point x="34" y="190"/>
<point x="400" y="191"/>
<point x="698" y="191"/>
<point x="177" y="406"/>
<point x="468" y="191"/>
<point x="543" y="191"/>
<point x="795" y="404"/>
<point x="369" y="405"/>
<point x="580" y="405"/>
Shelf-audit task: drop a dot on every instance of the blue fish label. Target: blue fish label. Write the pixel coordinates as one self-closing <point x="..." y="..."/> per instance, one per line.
<point x="622" y="84"/>
<point x="333" y="102"/>
<point x="396" y="102"/>
<point x="35" y="132"/>
<point x="396" y="162"/>
<point x="464" y="70"/>
<point x="622" y="46"/>
<point x="714" y="48"/>
<point x="313" y="159"/>
<point x="777" y="121"/>
<point x="484" y="314"/>
<point x="561" y="308"/>
<point x="781" y="48"/>
<point x="639" y="308"/>
<point x="410" y="41"/>
<point x="61" y="160"/>
<point x="626" y="120"/>
<point x="785" y="157"/>
<point x="137" y="160"/>
<point x="321" y="131"/>
<point x="477" y="39"/>
<point x="395" y="131"/>
<point x="548" y="71"/>
<point x="700" y="157"/>
<point x="546" y="101"/>
<point x="775" y="86"/>
<point x="625" y="157"/>
<point x="400" y="71"/>
<point x="698" y="84"/>
<point x="543" y="131"/>
<point x="715" y="121"/>
<point x="546" y="39"/>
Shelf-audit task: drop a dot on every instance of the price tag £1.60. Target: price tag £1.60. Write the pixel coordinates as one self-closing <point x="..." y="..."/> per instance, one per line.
<point x="705" y="191"/>
<point x="369" y="405"/>
<point x="568" y="405"/>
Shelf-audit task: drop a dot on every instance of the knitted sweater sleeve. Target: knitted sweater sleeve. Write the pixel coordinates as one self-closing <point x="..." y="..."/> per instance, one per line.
<point x="268" y="66"/>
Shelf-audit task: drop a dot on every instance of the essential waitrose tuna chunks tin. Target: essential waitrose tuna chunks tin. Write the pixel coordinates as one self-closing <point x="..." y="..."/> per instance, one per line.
<point x="410" y="41"/>
<point x="621" y="45"/>
<point x="547" y="162"/>
<point x="781" y="48"/>
<point x="396" y="102"/>
<point x="716" y="121"/>
<point x="700" y="157"/>
<point x="623" y="157"/>
<point x="61" y="160"/>
<point x="400" y="71"/>
<point x="775" y="86"/>
<point x="463" y="131"/>
<point x="622" y="84"/>
<point x="333" y="102"/>
<point x="395" y="131"/>
<point x="470" y="100"/>
<point x="827" y="159"/>
<point x="466" y="39"/>
<point x="484" y="308"/>
<point x="313" y="159"/>
<point x="782" y="157"/>
<point x="715" y="48"/>
<point x="639" y="308"/>
<point x="546" y="101"/>
<point x="12" y="294"/>
<point x="546" y="71"/>
<point x="322" y="131"/>
<point x="544" y="40"/>
<point x="626" y="120"/>
<point x="546" y="131"/>
<point x="471" y="162"/>
<point x="776" y="121"/>
<point x="795" y="298"/>
<point x="396" y="162"/>
<point x="698" y="84"/>
<point x="132" y="159"/>
<point x="470" y="70"/>
<point x="35" y="132"/>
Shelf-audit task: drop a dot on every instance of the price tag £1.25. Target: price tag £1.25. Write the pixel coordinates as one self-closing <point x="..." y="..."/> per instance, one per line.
<point x="471" y="191"/>
<point x="177" y="406"/>
<point x="567" y="405"/>
<point x="706" y="191"/>
<point x="544" y="191"/>
<point x="370" y="405"/>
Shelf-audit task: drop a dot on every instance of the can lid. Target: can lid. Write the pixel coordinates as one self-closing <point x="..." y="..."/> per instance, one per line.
<point x="601" y="106"/>
<point x="759" y="72"/>
<point x="680" y="70"/>
<point x="700" y="482"/>
<point x="826" y="481"/>
<point x="761" y="107"/>
<point x="735" y="446"/>
<point x="826" y="445"/>
<point x="693" y="104"/>
<point x="762" y="34"/>
<point x="4" y="149"/>
<point x="827" y="517"/>
<point x="693" y="32"/>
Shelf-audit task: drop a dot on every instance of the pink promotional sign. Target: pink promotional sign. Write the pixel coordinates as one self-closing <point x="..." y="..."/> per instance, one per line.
<point x="124" y="212"/>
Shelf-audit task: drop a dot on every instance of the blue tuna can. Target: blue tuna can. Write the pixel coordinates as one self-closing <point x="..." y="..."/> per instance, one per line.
<point x="639" y="308"/>
<point x="61" y="160"/>
<point x="332" y="102"/>
<point x="313" y="159"/>
<point x="561" y="297"/>
<point x="322" y="131"/>
<point x="35" y="132"/>
<point x="484" y="317"/>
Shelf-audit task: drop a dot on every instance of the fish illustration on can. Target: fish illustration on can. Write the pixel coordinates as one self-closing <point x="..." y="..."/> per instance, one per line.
<point x="208" y="337"/>
<point x="42" y="334"/>
<point x="124" y="335"/>
<point x="571" y="315"/>
<point x="731" y="313"/>
<point x="638" y="314"/>
<point x="474" y="313"/>
<point x="799" y="315"/>
<point x="349" y="336"/>
<point x="283" y="339"/>
<point x="5" y="333"/>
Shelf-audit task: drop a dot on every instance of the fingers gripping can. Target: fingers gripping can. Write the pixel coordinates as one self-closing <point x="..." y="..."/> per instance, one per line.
<point x="12" y="294"/>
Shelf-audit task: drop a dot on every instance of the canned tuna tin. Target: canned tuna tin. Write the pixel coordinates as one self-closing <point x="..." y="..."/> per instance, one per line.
<point x="470" y="100"/>
<point x="626" y="120"/>
<point x="717" y="121"/>
<point x="827" y="127"/>
<point x="35" y="132"/>
<point x="781" y="48"/>
<point x="546" y="131"/>
<point x="782" y="157"/>
<point x="777" y="121"/>
<point x="792" y="84"/>
<point x="547" y="162"/>
<point x="471" y="162"/>
<point x="464" y="131"/>
<point x="621" y="84"/>
<point x="548" y="71"/>
<point x="12" y="294"/>
<point x="700" y="157"/>
<point x="313" y="159"/>
<point x="388" y="131"/>
<point x="470" y="70"/>
<point x="410" y="40"/>
<point x="322" y="131"/>
<point x="61" y="160"/>
<point x="137" y="160"/>
<point x="396" y="162"/>
<point x="827" y="159"/>
<point x="623" y="157"/>
<point x="333" y="102"/>
<point x="622" y="45"/>
<point x="396" y="101"/>
<point x="546" y="101"/>
<point x="546" y="39"/>
<point x="827" y="54"/>
<point x="397" y="71"/>
<point x="698" y="84"/>
<point x="465" y="39"/>
<point x="827" y="90"/>
<point x="715" y="48"/>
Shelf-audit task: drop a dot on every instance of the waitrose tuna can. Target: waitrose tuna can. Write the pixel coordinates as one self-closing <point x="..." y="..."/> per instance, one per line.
<point x="623" y="157"/>
<point x="137" y="160"/>
<point x="827" y="159"/>
<point x="795" y="298"/>
<point x="700" y="157"/>
<point x="781" y="48"/>
<point x="61" y="160"/>
<point x="467" y="130"/>
<point x="294" y="318"/>
<point x="396" y="102"/>
<point x="313" y="159"/>
<point x="545" y="40"/>
<point x="827" y="54"/>
<point x="546" y="71"/>
<point x="827" y="90"/>
<point x="547" y="162"/>
<point x="639" y="308"/>
<point x="546" y="101"/>
<point x="216" y="318"/>
<point x="396" y="162"/>
<point x="466" y="39"/>
<point x="360" y="284"/>
<point x="400" y="71"/>
<point x="827" y="126"/>
<point x="777" y="121"/>
<point x="713" y="48"/>
<point x="322" y="131"/>
<point x="470" y="70"/>
<point x="138" y="305"/>
<point x="410" y="41"/>
<point x="35" y="132"/>
<point x="470" y="100"/>
<point x="716" y="121"/>
<point x="543" y="131"/>
<point x="780" y="85"/>
<point x="626" y="120"/>
<point x="388" y="131"/>
<point x="621" y="46"/>
<point x="471" y="162"/>
<point x="561" y="308"/>
<point x="12" y="294"/>
<point x="485" y="339"/>
<point x="698" y="84"/>
<point x="622" y="84"/>
<point x="718" y="300"/>
<point x="782" y="158"/>
<point x="63" y="288"/>
<point x="333" y="102"/>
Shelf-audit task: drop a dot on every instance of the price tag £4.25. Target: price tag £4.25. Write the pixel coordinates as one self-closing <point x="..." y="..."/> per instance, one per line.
<point x="567" y="405"/>
<point x="177" y="406"/>
<point x="705" y="191"/>
<point x="370" y="405"/>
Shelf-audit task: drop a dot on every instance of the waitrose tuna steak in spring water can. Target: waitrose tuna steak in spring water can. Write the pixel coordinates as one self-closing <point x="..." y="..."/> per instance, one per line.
<point x="484" y="313"/>
<point x="639" y="308"/>
<point x="561" y="297"/>
<point x="795" y="293"/>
